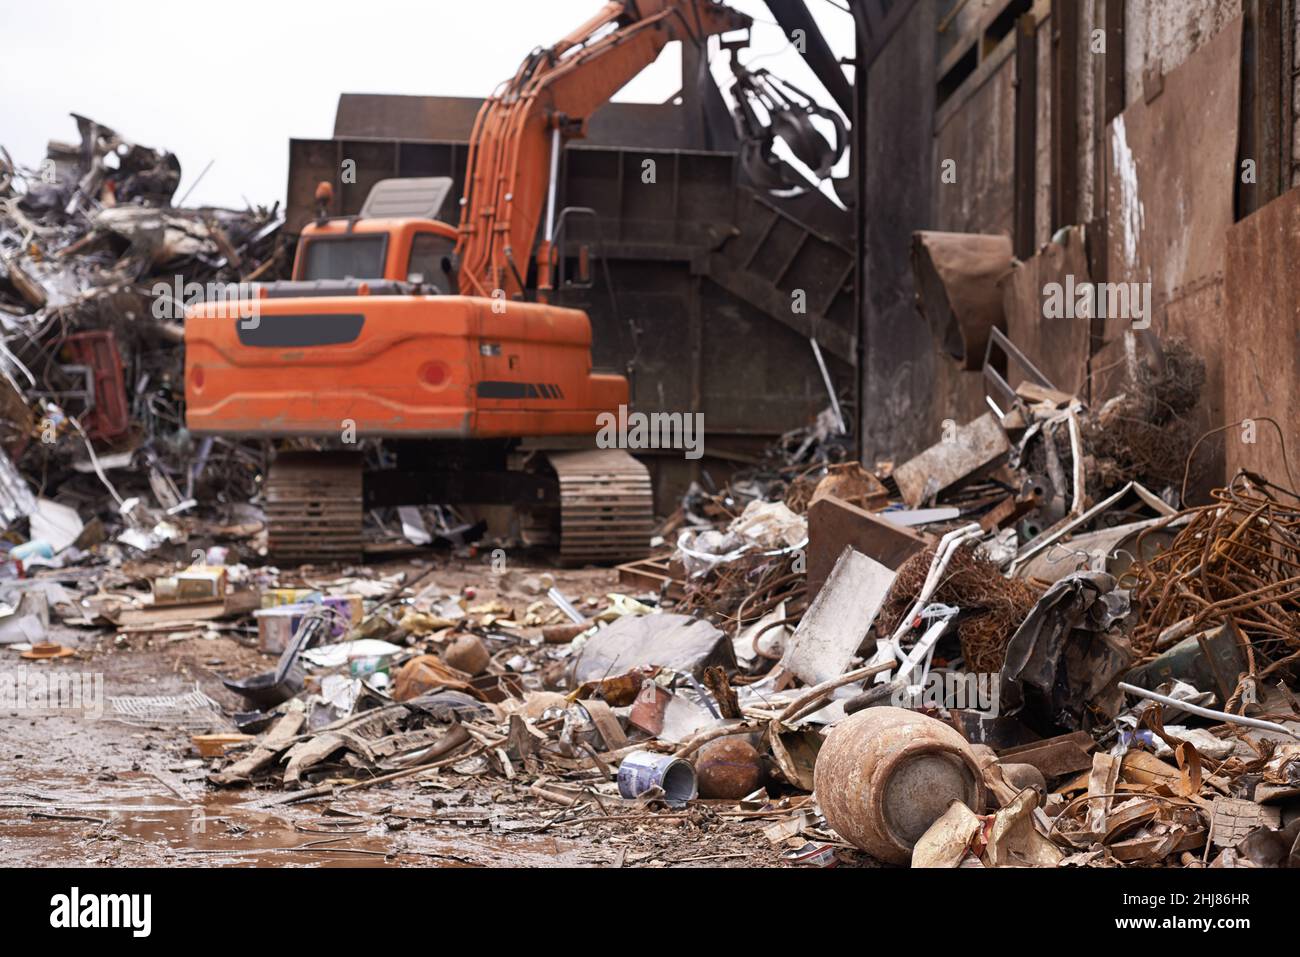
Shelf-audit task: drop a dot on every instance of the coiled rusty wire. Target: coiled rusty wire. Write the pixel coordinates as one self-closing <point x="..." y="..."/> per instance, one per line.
<point x="993" y="605"/>
<point x="743" y="591"/>
<point x="1236" y="562"/>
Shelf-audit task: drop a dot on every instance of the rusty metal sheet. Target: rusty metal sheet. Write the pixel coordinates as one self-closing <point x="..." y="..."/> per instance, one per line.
<point x="1169" y="194"/>
<point x="1169" y="187"/>
<point x="1262" y="317"/>
<point x="1054" y="757"/>
<point x="1233" y="819"/>
<point x="957" y="277"/>
<point x="975" y="128"/>
<point x="959" y="456"/>
<point x="834" y="523"/>
<point x="1058" y="347"/>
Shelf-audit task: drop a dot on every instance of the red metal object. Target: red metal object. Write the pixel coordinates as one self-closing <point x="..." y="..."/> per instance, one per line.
<point x="109" y="417"/>
<point x="648" y="709"/>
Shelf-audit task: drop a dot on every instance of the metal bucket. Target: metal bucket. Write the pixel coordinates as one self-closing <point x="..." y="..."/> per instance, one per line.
<point x="643" y="770"/>
<point x="885" y="775"/>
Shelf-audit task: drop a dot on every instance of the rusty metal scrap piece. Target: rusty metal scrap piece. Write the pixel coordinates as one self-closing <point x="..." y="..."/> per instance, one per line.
<point x="967" y="451"/>
<point x="1233" y="819"/>
<point x="834" y="524"/>
<point x="957" y="276"/>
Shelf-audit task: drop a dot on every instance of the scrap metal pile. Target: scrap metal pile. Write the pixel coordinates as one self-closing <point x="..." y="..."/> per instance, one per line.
<point x="96" y="265"/>
<point x="1016" y="648"/>
<point x="906" y="665"/>
<point x="912" y="663"/>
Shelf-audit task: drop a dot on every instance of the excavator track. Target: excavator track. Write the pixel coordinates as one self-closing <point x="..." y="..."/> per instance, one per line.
<point x="314" y="507"/>
<point x="606" y="506"/>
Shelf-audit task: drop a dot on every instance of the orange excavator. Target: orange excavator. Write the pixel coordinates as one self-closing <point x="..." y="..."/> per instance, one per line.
<point x="400" y="327"/>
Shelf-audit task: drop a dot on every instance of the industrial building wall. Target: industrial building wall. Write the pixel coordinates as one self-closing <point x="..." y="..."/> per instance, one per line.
<point x="1152" y="126"/>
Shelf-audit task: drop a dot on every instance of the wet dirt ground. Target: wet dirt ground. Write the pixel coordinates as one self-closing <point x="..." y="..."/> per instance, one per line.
<point x="76" y="789"/>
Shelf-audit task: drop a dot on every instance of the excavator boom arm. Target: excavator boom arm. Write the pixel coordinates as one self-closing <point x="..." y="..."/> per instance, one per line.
<point x="515" y="143"/>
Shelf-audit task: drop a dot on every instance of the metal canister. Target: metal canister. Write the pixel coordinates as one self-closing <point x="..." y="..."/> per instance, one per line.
<point x="729" y="768"/>
<point x="885" y="775"/>
<point x="643" y="770"/>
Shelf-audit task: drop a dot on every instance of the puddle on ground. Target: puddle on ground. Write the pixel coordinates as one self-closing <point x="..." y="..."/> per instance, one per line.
<point x="70" y="819"/>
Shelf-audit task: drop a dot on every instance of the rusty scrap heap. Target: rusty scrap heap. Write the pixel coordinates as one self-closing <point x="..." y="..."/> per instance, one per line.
<point x="1108" y="676"/>
<point x="1020" y="647"/>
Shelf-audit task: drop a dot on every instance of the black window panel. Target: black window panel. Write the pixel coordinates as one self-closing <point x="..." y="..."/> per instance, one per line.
<point x="430" y="255"/>
<point x="356" y="257"/>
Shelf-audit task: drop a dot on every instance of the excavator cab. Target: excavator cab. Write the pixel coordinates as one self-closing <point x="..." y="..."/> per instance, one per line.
<point x="395" y="237"/>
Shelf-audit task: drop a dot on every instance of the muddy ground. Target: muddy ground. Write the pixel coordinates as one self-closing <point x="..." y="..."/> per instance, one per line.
<point x="75" y="790"/>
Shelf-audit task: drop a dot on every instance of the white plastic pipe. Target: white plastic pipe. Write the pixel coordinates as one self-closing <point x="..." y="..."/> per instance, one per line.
<point x="1207" y="712"/>
<point x="889" y="649"/>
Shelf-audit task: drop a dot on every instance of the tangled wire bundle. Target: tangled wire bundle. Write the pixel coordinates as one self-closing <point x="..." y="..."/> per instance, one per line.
<point x="1147" y="433"/>
<point x="993" y="606"/>
<point x="1238" y="560"/>
<point x="740" y="592"/>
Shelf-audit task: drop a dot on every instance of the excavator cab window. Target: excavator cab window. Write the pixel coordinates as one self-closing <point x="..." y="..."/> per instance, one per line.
<point x="431" y="261"/>
<point x="345" y="257"/>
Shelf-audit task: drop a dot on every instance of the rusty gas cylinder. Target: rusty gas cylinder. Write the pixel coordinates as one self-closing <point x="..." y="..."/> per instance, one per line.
<point x="884" y="775"/>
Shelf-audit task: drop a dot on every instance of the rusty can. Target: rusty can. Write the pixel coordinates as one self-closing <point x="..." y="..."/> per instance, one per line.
<point x="885" y="775"/>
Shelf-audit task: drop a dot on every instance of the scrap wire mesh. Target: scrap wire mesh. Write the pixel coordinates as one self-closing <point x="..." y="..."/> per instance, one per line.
<point x="742" y="591"/>
<point x="191" y="710"/>
<point x="1148" y="432"/>
<point x="1238" y="561"/>
<point x="992" y="605"/>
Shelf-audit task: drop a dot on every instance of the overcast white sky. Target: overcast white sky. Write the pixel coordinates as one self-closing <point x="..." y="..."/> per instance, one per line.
<point x="232" y="80"/>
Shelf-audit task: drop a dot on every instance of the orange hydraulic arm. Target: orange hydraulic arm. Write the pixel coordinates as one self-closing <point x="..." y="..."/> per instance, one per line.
<point x="515" y="145"/>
